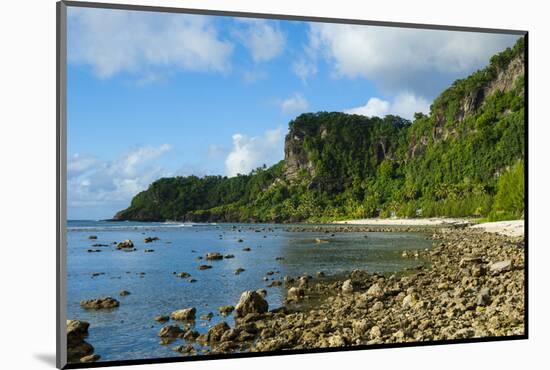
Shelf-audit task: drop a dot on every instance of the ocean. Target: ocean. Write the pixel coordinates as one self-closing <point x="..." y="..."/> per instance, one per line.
<point x="130" y="332"/>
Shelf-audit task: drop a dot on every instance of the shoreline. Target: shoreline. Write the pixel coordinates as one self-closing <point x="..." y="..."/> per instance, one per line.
<point x="470" y="286"/>
<point x="513" y="228"/>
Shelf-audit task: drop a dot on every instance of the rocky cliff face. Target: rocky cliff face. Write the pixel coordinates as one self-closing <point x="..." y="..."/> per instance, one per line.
<point x="296" y="156"/>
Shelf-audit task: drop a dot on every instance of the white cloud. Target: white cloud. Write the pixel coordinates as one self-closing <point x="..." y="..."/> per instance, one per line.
<point x="294" y="104"/>
<point x="114" y="41"/>
<point x="403" y="59"/>
<point x="262" y="38"/>
<point x="304" y="69"/>
<point x="405" y="105"/>
<point x="249" y="153"/>
<point x="96" y="183"/>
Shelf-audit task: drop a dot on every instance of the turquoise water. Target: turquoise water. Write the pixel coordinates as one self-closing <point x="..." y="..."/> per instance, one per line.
<point x="129" y="331"/>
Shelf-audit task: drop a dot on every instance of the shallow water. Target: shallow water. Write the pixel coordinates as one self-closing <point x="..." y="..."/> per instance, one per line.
<point x="129" y="331"/>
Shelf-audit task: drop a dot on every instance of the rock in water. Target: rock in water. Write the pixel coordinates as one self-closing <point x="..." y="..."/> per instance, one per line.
<point x="90" y="358"/>
<point x="125" y="244"/>
<point x="150" y="239"/>
<point x="250" y="302"/>
<point x="77" y="347"/>
<point x="184" y="314"/>
<point x="215" y="333"/>
<point x="124" y="293"/>
<point x="226" y="310"/>
<point x="170" y="331"/>
<point x="100" y="303"/>
<point x="213" y="256"/>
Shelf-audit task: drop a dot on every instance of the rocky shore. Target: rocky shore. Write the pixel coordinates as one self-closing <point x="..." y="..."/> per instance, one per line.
<point x="471" y="286"/>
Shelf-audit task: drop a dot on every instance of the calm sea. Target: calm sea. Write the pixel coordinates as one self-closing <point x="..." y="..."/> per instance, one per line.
<point x="129" y="331"/>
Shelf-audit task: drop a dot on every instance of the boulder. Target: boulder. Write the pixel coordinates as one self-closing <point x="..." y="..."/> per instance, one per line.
<point x="170" y="331"/>
<point x="484" y="297"/>
<point x="77" y="347"/>
<point x="90" y="358"/>
<point x="226" y="310"/>
<point x="348" y="287"/>
<point x="100" y="303"/>
<point x="295" y="294"/>
<point x="262" y="292"/>
<point x="375" y="290"/>
<point x="185" y="314"/>
<point x="125" y="244"/>
<point x="185" y="349"/>
<point x="216" y="332"/>
<point x="162" y="318"/>
<point x="250" y="302"/>
<point x="213" y="256"/>
<point x="501" y="266"/>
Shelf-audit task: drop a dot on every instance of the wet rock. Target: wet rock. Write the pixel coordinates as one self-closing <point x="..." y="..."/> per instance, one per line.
<point x="204" y="267"/>
<point x="77" y="347"/>
<point x="215" y="333"/>
<point x="191" y="335"/>
<point x="170" y="331"/>
<point x="124" y="293"/>
<point x="150" y="239"/>
<point x="227" y="256"/>
<point x="239" y="270"/>
<point x="250" y="302"/>
<point x="125" y="244"/>
<point x="185" y="314"/>
<point x="320" y="274"/>
<point x="162" y="318"/>
<point x="247" y="249"/>
<point x="183" y="275"/>
<point x="262" y="292"/>
<point x="320" y="241"/>
<point x="226" y="310"/>
<point x="90" y="358"/>
<point x="92" y="237"/>
<point x="207" y="317"/>
<point x="99" y="303"/>
<point x="187" y="349"/>
<point x="213" y="256"/>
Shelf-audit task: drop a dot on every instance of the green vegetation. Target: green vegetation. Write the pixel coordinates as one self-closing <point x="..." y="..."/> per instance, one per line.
<point x="464" y="159"/>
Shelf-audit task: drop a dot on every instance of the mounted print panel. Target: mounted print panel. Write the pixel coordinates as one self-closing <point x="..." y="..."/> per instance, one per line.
<point x="237" y="185"/>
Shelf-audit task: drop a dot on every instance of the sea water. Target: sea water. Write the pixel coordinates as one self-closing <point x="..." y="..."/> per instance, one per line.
<point x="130" y="332"/>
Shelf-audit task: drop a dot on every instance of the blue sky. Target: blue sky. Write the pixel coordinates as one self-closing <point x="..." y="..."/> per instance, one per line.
<point x="152" y="94"/>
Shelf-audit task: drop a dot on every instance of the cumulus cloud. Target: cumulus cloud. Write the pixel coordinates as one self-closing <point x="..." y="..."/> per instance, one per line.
<point x="404" y="105"/>
<point x="294" y="104"/>
<point x="249" y="153"/>
<point x="264" y="39"/>
<point x="403" y="59"/>
<point x="114" y="41"/>
<point x="97" y="183"/>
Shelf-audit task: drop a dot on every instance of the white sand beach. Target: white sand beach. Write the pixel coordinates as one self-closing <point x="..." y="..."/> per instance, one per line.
<point x="509" y="228"/>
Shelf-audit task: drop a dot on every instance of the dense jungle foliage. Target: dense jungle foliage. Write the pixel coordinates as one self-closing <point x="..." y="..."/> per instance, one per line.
<point x="464" y="159"/>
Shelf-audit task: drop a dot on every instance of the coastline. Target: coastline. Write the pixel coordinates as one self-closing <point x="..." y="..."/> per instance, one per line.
<point x="471" y="286"/>
<point x="513" y="228"/>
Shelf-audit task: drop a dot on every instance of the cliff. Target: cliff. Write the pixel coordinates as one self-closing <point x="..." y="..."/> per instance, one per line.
<point x="336" y="165"/>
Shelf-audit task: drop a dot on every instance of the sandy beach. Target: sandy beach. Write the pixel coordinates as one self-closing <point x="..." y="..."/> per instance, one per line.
<point x="512" y="228"/>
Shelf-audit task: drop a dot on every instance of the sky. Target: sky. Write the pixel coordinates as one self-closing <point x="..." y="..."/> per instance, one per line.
<point x="152" y="95"/>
